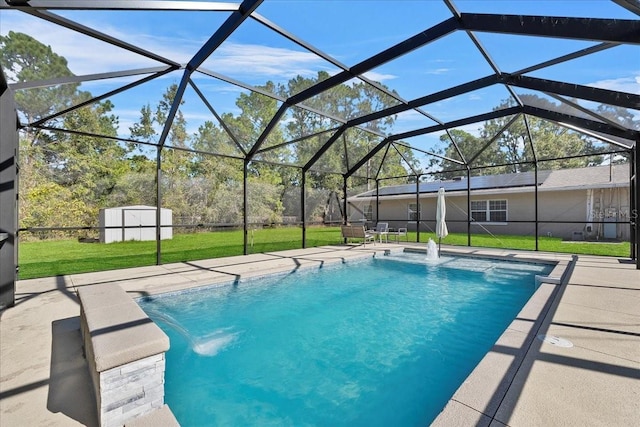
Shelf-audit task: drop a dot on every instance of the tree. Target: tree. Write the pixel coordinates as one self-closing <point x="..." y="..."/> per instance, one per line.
<point x="177" y="164"/>
<point x="144" y="128"/>
<point x="65" y="177"/>
<point x="347" y="102"/>
<point x="471" y="148"/>
<point x="619" y="115"/>
<point x="89" y="164"/>
<point x="270" y="181"/>
<point x="50" y="205"/>
<point x="82" y="170"/>
<point x="25" y="59"/>
<point x="511" y="151"/>
<point x="266" y="181"/>
<point x="217" y="181"/>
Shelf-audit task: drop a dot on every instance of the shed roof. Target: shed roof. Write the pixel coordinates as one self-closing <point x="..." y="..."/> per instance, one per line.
<point x="135" y="207"/>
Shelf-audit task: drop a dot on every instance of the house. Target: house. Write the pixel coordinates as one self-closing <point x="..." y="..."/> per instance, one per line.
<point x="586" y="203"/>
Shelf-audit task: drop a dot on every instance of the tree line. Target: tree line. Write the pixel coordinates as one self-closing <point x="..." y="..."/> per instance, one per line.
<point x="66" y="177"/>
<point x="512" y="151"/>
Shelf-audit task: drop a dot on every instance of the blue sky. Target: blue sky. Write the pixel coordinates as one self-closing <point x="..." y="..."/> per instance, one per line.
<point x="348" y="31"/>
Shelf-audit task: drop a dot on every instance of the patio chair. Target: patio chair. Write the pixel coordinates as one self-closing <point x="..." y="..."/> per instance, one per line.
<point x="400" y="232"/>
<point x="381" y="229"/>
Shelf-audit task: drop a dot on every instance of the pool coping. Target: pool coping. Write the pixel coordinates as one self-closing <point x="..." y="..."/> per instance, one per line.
<point x="43" y="380"/>
<point x="495" y="372"/>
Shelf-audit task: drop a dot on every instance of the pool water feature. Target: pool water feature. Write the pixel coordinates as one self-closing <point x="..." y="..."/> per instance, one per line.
<point x="385" y="341"/>
<point x="432" y="250"/>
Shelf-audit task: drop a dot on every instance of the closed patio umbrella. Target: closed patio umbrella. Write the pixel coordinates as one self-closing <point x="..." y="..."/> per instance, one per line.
<point x="441" y="225"/>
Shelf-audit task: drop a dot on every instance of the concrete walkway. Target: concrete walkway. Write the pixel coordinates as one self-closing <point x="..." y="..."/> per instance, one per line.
<point x="521" y="382"/>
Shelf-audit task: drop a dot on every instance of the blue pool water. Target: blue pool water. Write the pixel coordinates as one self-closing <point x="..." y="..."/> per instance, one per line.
<point x="380" y="342"/>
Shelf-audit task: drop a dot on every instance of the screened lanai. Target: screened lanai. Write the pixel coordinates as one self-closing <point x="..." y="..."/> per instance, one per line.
<point x="242" y="117"/>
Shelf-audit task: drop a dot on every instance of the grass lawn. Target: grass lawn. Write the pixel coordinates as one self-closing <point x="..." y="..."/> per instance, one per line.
<point x="545" y="244"/>
<point x="60" y="257"/>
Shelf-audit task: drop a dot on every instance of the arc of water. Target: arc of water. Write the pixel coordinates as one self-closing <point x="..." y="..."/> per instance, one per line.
<point x="172" y="323"/>
<point x="209" y="345"/>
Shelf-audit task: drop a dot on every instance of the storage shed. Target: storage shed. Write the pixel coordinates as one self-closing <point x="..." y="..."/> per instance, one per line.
<point x="134" y="223"/>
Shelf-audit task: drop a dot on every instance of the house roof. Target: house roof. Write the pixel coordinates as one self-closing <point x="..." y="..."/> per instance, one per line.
<point x="593" y="177"/>
<point x="548" y="180"/>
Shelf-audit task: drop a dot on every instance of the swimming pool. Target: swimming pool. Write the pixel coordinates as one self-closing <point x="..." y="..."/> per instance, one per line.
<point x="385" y="341"/>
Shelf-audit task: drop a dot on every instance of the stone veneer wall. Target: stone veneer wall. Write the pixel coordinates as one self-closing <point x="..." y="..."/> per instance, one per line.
<point x="131" y="390"/>
<point x="125" y="354"/>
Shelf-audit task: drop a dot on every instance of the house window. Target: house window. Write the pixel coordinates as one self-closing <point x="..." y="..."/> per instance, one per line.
<point x="413" y="211"/>
<point x="489" y="210"/>
<point x="368" y="212"/>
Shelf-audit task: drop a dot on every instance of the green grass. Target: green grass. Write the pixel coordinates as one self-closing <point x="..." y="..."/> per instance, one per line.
<point x="60" y="257"/>
<point x="545" y="244"/>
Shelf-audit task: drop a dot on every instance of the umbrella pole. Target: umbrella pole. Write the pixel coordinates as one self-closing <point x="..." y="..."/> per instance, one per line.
<point x="439" y="244"/>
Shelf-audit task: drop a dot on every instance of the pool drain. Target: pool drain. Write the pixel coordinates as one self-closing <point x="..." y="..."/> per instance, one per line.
<point x="557" y="341"/>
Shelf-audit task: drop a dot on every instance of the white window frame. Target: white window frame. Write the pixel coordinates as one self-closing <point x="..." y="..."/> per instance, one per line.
<point x="367" y="211"/>
<point x="411" y="211"/>
<point x="488" y="211"/>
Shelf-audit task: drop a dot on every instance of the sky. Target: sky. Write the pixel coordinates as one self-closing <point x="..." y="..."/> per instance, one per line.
<point x="349" y="32"/>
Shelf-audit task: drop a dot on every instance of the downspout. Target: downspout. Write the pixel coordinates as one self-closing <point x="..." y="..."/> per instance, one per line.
<point x="535" y="203"/>
<point x="377" y="200"/>
<point x="601" y="211"/>
<point x="344" y="199"/>
<point x="636" y="193"/>
<point x="418" y="208"/>
<point x="468" y="205"/>
<point x="245" y="213"/>
<point x="158" y="205"/>
<point x="589" y="227"/>
<point x="303" y="209"/>
<point x="535" y="195"/>
<point x="632" y="205"/>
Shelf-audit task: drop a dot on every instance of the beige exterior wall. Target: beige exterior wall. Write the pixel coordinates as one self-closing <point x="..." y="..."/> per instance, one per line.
<point x="610" y="204"/>
<point x="562" y="206"/>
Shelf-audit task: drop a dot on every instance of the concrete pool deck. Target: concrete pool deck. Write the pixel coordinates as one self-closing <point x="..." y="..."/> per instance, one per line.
<point x="522" y="381"/>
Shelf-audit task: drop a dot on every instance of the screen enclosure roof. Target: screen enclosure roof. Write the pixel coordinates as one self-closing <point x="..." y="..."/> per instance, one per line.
<point x="423" y="69"/>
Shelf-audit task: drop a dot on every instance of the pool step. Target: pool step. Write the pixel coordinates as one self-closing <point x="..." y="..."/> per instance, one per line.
<point x="160" y="417"/>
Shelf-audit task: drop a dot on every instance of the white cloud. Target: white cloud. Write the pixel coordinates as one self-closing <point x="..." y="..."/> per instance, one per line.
<point x="438" y="71"/>
<point x="379" y="77"/>
<point x="264" y="61"/>
<point x="410" y="115"/>
<point x="475" y="97"/>
<point x="217" y="87"/>
<point x="86" y="55"/>
<point x="630" y="84"/>
<point x="199" y="116"/>
<point x="410" y="120"/>
<point x="474" y="129"/>
<point x="123" y="127"/>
